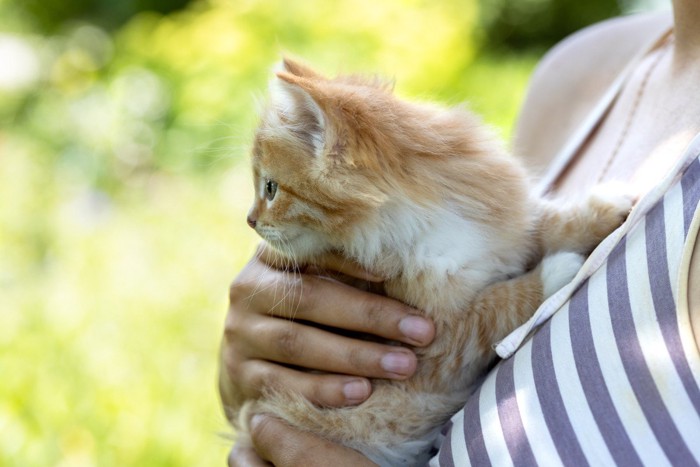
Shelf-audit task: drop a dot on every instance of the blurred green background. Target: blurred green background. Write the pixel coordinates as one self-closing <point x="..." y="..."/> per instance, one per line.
<point x="124" y="129"/>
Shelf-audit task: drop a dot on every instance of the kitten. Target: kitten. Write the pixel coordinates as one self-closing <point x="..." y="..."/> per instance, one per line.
<point x="427" y="198"/>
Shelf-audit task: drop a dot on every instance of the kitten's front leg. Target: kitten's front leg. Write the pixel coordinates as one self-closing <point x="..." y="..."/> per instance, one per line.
<point x="581" y="227"/>
<point x="505" y="305"/>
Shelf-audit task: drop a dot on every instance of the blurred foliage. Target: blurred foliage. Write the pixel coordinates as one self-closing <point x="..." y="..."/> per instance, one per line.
<point x="124" y="186"/>
<point x="522" y="24"/>
<point x="191" y="85"/>
<point x="50" y="16"/>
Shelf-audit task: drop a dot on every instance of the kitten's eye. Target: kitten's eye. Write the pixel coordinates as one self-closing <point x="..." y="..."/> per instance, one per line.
<point x="270" y="190"/>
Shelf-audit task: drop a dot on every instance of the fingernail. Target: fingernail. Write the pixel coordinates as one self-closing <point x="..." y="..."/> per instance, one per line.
<point x="356" y="391"/>
<point x="398" y="363"/>
<point x="255" y="420"/>
<point x="416" y="328"/>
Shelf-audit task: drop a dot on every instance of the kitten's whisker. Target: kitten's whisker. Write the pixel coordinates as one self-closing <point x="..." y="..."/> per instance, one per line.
<point x="297" y="281"/>
<point x="289" y="262"/>
<point x="258" y="289"/>
<point x="291" y="265"/>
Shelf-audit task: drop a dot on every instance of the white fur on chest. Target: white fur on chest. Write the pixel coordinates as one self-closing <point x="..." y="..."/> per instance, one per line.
<point x="432" y="254"/>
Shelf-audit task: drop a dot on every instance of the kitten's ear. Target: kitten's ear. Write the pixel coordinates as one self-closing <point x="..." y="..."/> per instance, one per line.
<point x="298" y="69"/>
<point x="297" y="100"/>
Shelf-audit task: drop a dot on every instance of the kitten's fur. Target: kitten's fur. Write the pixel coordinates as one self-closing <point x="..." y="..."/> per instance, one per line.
<point x="426" y="197"/>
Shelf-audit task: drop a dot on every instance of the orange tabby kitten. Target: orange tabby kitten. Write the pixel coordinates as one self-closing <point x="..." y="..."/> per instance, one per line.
<point x="427" y="198"/>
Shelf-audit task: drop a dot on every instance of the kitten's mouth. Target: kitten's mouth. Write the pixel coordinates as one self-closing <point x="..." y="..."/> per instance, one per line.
<point x="277" y="239"/>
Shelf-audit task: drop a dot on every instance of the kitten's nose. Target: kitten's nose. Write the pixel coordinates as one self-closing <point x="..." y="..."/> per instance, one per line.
<point x="251" y="222"/>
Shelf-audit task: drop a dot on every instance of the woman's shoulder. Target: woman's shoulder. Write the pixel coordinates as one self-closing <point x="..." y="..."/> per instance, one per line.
<point x="574" y="75"/>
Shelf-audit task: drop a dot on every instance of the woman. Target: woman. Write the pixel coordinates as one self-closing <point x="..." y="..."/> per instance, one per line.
<point x="617" y="101"/>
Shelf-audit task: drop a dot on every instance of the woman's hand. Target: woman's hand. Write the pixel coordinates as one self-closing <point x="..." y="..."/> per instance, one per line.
<point x="265" y="334"/>
<point x="276" y="443"/>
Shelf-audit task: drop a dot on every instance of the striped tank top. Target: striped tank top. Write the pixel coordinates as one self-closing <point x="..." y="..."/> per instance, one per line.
<point x="612" y="378"/>
<point x="607" y="371"/>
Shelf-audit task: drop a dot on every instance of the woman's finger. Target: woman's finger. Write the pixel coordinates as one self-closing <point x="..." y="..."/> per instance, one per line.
<point x="328" y="302"/>
<point x="327" y="390"/>
<point x="285" y="446"/>
<point x="245" y="457"/>
<point x="297" y="344"/>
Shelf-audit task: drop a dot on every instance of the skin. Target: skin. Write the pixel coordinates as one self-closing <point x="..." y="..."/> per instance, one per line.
<point x="582" y="66"/>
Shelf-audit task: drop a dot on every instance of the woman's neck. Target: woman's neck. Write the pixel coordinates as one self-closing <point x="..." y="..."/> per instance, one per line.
<point x="686" y="15"/>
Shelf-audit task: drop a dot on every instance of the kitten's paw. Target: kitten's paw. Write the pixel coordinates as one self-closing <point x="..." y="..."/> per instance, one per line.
<point x="558" y="269"/>
<point x="611" y="203"/>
